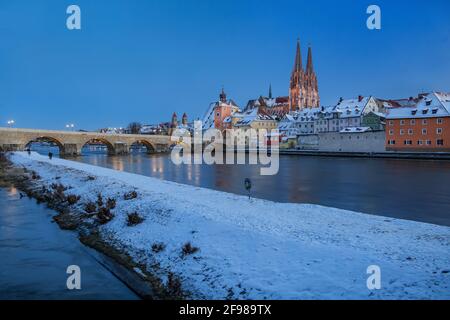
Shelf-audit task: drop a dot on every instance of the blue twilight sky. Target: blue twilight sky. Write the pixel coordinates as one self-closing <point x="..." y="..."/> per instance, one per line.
<point x="141" y="60"/>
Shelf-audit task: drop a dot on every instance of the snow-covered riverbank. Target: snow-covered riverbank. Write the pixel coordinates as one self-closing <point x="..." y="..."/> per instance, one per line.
<point x="257" y="249"/>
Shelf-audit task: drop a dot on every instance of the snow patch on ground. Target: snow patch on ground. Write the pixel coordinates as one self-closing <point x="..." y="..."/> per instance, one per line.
<point x="258" y="249"/>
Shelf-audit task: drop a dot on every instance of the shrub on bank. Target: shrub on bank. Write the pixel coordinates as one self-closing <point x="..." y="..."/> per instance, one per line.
<point x="104" y="215"/>
<point x="73" y="199"/>
<point x="188" y="249"/>
<point x="58" y="187"/>
<point x="90" y="207"/>
<point x="130" y="195"/>
<point x="158" y="247"/>
<point x="134" y="219"/>
<point x="174" y="286"/>
<point x="110" y="203"/>
<point x="58" y="192"/>
<point x="99" y="200"/>
<point x="35" y="176"/>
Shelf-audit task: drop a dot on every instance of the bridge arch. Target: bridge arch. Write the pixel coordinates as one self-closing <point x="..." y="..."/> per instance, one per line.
<point x="151" y="147"/>
<point x="95" y="141"/>
<point x="48" y="139"/>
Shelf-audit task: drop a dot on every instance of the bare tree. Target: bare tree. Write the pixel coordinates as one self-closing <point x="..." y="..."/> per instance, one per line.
<point x="134" y="127"/>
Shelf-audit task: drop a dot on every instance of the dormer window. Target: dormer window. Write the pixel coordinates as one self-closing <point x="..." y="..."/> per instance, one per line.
<point x="414" y="112"/>
<point x="425" y="111"/>
<point x="434" y="111"/>
<point x="428" y="103"/>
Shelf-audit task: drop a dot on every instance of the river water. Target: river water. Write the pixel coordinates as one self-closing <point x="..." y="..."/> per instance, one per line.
<point x="35" y="254"/>
<point x="407" y="189"/>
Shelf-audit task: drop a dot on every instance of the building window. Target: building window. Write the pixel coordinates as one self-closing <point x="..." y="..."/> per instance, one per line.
<point x="408" y="142"/>
<point x="391" y="123"/>
<point x="391" y="132"/>
<point x="391" y="142"/>
<point x="402" y="122"/>
<point x="402" y="132"/>
<point x="439" y="130"/>
<point x="412" y="122"/>
<point x="424" y="131"/>
<point x="440" y="142"/>
<point x="440" y="121"/>
<point x="410" y="132"/>
<point x="424" y="121"/>
<point x="428" y="142"/>
<point x="420" y="142"/>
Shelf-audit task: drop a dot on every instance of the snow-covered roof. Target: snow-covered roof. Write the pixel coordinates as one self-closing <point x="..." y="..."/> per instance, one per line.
<point x="432" y="105"/>
<point x="266" y="102"/>
<point x="253" y="115"/>
<point x="351" y="107"/>
<point x="355" y="129"/>
<point x="208" y="119"/>
<point x="307" y="114"/>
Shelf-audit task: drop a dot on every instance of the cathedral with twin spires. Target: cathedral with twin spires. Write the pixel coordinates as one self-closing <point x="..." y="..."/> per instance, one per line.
<point x="303" y="90"/>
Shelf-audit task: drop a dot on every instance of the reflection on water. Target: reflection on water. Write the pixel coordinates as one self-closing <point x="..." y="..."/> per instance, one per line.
<point x="35" y="254"/>
<point x="398" y="188"/>
<point x="408" y="189"/>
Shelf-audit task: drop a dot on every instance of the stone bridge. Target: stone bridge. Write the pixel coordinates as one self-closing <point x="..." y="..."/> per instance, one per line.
<point x="71" y="143"/>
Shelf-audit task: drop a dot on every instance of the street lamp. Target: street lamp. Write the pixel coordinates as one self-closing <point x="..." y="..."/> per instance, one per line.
<point x="10" y="123"/>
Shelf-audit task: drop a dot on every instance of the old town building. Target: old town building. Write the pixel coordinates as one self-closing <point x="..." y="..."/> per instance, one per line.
<point x="219" y="113"/>
<point x="422" y="127"/>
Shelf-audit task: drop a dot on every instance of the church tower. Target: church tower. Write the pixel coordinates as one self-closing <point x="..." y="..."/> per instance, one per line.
<point x="296" y="91"/>
<point x="312" y="98"/>
<point x="303" y="90"/>
<point x="223" y="96"/>
<point x="184" y="119"/>
<point x="173" y="124"/>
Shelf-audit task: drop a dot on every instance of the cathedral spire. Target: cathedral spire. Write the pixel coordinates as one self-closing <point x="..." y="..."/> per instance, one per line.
<point x="309" y="65"/>
<point x="298" y="58"/>
<point x="223" y="96"/>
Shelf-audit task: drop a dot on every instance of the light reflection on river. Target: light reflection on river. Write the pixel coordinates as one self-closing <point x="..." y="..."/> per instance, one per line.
<point x="408" y="189"/>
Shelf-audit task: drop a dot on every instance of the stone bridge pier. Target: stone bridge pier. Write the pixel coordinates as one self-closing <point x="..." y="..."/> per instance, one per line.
<point x="70" y="149"/>
<point x="121" y="148"/>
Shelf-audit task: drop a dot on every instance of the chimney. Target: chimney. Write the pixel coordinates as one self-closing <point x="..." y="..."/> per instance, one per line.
<point x="360" y="98"/>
